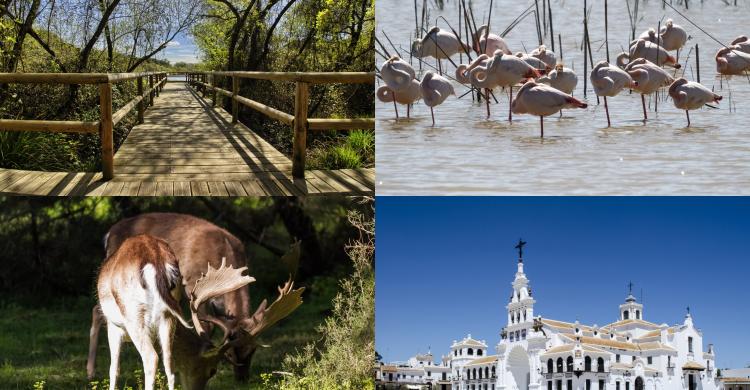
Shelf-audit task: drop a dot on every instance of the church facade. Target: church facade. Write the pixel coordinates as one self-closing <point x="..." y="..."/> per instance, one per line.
<point x="537" y="353"/>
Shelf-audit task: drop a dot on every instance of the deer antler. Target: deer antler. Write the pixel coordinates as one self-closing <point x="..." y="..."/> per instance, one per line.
<point x="284" y="305"/>
<point x="216" y="282"/>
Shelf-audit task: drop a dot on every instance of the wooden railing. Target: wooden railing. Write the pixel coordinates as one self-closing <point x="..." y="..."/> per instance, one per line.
<point x="299" y="122"/>
<point x="107" y="119"/>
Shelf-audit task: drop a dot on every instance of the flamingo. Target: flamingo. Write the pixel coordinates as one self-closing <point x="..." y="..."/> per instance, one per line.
<point x="547" y="56"/>
<point x="742" y="44"/>
<point x="535" y="62"/>
<point x="435" y="89"/>
<point x="649" y="78"/>
<point x="648" y="35"/>
<point x="408" y="95"/>
<point x="649" y="51"/>
<point x="438" y="44"/>
<point x="609" y="80"/>
<point x="501" y="70"/>
<point x="462" y="70"/>
<point x="673" y="36"/>
<point x="689" y="95"/>
<point x="398" y="76"/>
<point x="732" y="61"/>
<point x="542" y="100"/>
<point x="491" y="43"/>
<point x="562" y="78"/>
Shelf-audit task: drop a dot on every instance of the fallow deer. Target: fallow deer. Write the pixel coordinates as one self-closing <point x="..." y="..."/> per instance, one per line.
<point x="134" y="294"/>
<point x="197" y="243"/>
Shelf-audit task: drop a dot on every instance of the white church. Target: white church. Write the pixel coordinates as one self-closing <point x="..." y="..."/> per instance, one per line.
<point x="537" y="353"/>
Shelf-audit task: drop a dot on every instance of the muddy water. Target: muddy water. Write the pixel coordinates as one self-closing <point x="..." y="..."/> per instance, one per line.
<point x="464" y="153"/>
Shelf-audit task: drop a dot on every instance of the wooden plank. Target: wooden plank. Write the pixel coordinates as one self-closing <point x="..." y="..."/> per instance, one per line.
<point x="217" y="188"/>
<point x="360" y="176"/>
<point x="200" y="188"/>
<point x="131" y="188"/>
<point x="148" y="188"/>
<point x="341" y="124"/>
<point x="112" y="189"/>
<point x="182" y="188"/>
<point x="55" y="179"/>
<point x="299" y="128"/>
<point x="234" y="188"/>
<point x="164" y="188"/>
<point x="253" y="188"/>
<point x="348" y="181"/>
<point x="49" y="126"/>
<point x="329" y="180"/>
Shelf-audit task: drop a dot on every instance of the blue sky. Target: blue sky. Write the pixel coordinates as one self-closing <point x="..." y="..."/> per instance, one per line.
<point x="181" y="49"/>
<point x="444" y="266"/>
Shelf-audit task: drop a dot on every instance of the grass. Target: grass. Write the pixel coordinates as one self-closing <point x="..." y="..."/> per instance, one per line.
<point x="356" y="150"/>
<point x="46" y="347"/>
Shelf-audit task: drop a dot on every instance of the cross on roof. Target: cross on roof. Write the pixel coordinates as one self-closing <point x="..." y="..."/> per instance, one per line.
<point x="630" y="288"/>
<point x="519" y="246"/>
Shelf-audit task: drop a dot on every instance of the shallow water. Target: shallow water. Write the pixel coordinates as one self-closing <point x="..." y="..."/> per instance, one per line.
<point x="464" y="153"/>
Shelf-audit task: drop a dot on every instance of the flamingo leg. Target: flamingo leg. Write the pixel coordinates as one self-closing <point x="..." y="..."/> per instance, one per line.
<point x="487" y="100"/>
<point x="606" y="109"/>
<point x="440" y="66"/>
<point x="510" y="104"/>
<point x="408" y="109"/>
<point x="541" y="120"/>
<point x="643" y="101"/>
<point x="688" y="117"/>
<point x="433" y="116"/>
<point x="394" y="104"/>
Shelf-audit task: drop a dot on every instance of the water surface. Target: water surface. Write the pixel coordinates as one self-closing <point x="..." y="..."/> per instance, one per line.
<point x="464" y="153"/>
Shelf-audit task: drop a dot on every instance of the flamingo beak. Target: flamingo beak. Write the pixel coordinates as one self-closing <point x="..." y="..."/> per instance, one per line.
<point x="634" y="84"/>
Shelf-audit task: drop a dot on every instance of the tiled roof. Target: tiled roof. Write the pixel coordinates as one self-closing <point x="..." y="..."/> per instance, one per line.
<point x="484" y="360"/>
<point x="693" y="366"/>
<point x="735" y="380"/>
<point x="605" y="342"/>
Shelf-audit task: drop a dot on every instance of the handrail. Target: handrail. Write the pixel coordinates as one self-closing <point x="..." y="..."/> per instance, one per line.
<point x="299" y="121"/>
<point x="107" y="120"/>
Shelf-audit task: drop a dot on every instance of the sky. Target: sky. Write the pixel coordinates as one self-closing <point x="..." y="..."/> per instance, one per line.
<point x="444" y="266"/>
<point x="181" y="49"/>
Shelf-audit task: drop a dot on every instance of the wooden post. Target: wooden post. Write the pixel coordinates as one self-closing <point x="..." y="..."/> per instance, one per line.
<point x="141" y="104"/>
<point x="299" y="144"/>
<point x="235" y="103"/>
<point x="105" y="130"/>
<point x="213" y="84"/>
<point x="157" y="77"/>
<point x="150" y="90"/>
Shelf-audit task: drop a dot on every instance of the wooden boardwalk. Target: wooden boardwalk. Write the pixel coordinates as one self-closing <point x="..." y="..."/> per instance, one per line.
<point x="185" y="147"/>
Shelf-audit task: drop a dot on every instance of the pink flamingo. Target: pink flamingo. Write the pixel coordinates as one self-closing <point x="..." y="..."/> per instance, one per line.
<point x="438" y="44"/>
<point x="407" y="96"/>
<point x="648" y="77"/>
<point x="490" y="43"/>
<point x="673" y="36"/>
<point x="689" y="95"/>
<point x="397" y="75"/>
<point x="649" y="51"/>
<point x="547" y="56"/>
<point x="741" y="43"/>
<point x="535" y="62"/>
<point x="609" y="80"/>
<point x="501" y="71"/>
<point x="732" y="61"/>
<point x="542" y="100"/>
<point x="435" y="89"/>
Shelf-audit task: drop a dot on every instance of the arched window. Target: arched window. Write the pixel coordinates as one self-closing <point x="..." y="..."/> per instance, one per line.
<point x="550" y="366"/>
<point x="470" y="351"/>
<point x="587" y="364"/>
<point x="486" y="372"/>
<point x="600" y="365"/>
<point x="637" y="314"/>
<point x="474" y="373"/>
<point x="569" y="364"/>
<point x="639" y="383"/>
<point x="559" y="365"/>
<point x="455" y="352"/>
<point x="479" y="352"/>
<point x="493" y="372"/>
<point x="480" y="373"/>
<point x="625" y="315"/>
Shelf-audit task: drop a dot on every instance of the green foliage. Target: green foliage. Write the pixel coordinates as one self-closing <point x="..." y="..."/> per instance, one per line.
<point x="344" y="357"/>
<point x="356" y="150"/>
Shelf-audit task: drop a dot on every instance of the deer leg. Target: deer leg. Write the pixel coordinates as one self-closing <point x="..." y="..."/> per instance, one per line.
<point x="143" y="343"/>
<point x="114" y="336"/>
<point x="97" y="320"/>
<point x="166" y="329"/>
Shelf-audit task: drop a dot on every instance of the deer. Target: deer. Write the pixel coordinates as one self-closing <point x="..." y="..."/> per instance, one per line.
<point x="197" y="243"/>
<point x="134" y="290"/>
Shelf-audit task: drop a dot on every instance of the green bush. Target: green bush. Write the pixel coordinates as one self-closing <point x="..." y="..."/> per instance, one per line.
<point x="363" y="142"/>
<point x="342" y="157"/>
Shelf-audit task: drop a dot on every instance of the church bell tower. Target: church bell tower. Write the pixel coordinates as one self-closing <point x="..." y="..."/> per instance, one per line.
<point x="521" y="305"/>
<point x="631" y="310"/>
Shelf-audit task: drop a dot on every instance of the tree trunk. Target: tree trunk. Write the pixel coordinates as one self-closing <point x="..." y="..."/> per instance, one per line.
<point x="300" y="226"/>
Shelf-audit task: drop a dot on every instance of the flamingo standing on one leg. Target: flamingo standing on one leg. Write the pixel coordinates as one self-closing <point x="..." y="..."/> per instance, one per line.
<point x="742" y="44"/>
<point x="462" y="75"/>
<point x="547" y="56"/>
<point x="502" y="70"/>
<point x="689" y="95"/>
<point x="609" y="80"/>
<point x="542" y="100"/>
<point x="438" y="44"/>
<point x="398" y="75"/>
<point x="435" y="89"/>
<point x="648" y="77"/>
<point x="535" y="62"/>
<point x="407" y="96"/>
<point x="490" y="43"/>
